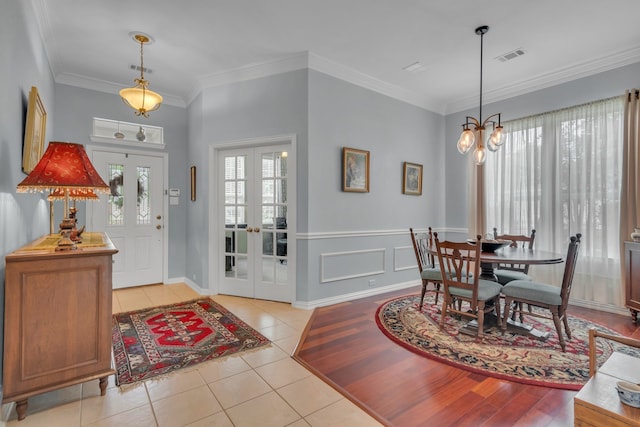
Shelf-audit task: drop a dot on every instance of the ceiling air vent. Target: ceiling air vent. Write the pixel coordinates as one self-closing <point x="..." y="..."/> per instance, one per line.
<point x="510" y="55"/>
<point x="137" y="68"/>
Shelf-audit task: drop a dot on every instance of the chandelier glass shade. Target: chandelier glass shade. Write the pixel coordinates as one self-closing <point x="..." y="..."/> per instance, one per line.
<point x="139" y="97"/>
<point x="473" y="130"/>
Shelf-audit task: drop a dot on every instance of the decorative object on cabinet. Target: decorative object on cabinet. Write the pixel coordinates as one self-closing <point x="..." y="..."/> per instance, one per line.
<point x="193" y="183"/>
<point x="125" y="133"/>
<point x="140" y="97"/>
<point x="632" y="278"/>
<point x="74" y="194"/>
<point x="412" y="179"/>
<point x="34" y="131"/>
<point x="355" y="170"/>
<point x="57" y="318"/>
<point x="65" y="167"/>
<point x="159" y="340"/>
<point x="635" y="235"/>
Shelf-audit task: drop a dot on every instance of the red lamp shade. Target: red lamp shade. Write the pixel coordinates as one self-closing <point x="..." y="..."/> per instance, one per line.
<point x="64" y="166"/>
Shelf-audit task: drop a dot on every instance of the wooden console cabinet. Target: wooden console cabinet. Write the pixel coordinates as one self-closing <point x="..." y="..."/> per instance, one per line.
<point x="632" y="278"/>
<point x="57" y="325"/>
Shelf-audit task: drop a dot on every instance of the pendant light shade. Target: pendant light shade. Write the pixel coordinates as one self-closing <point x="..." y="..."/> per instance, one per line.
<point x="140" y="97"/>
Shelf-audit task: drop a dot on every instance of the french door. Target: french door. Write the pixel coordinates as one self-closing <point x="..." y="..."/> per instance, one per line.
<point x="132" y="214"/>
<point x="254" y="223"/>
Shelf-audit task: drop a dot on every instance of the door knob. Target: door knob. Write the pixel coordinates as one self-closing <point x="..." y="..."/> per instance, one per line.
<point x="159" y="217"/>
<point x="257" y="229"/>
<point x="249" y="229"/>
<point x="158" y="227"/>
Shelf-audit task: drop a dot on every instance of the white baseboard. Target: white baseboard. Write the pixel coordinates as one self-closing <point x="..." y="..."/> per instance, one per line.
<point x="355" y="295"/>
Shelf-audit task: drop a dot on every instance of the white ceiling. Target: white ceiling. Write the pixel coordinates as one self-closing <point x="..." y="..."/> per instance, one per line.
<point x="202" y="43"/>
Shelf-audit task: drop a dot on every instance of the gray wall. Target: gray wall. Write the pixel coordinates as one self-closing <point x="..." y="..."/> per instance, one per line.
<point x="576" y="92"/>
<point x="263" y="107"/>
<point x="75" y="109"/>
<point x="369" y="231"/>
<point x="23" y="217"/>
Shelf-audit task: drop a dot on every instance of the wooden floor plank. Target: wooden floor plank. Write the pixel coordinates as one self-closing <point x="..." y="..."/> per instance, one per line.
<point x="343" y="345"/>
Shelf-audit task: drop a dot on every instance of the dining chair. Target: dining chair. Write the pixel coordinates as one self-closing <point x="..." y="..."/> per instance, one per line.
<point x="506" y="272"/>
<point x="429" y="271"/>
<point x="543" y="295"/>
<point x="460" y="264"/>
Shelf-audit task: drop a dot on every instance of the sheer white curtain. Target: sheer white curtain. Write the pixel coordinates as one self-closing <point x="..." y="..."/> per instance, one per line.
<point x="560" y="173"/>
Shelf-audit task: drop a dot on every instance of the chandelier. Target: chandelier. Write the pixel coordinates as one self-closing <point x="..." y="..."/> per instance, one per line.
<point x="473" y="129"/>
<point x="140" y="97"/>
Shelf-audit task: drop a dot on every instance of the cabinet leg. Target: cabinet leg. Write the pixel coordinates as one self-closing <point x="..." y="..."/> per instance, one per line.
<point x="104" y="381"/>
<point x="634" y="315"/>
<point x="21" y="409"/>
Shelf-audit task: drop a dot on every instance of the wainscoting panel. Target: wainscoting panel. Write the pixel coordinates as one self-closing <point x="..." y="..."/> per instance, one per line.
<point x="336" y="266"/>
<point x="404" y="258"/>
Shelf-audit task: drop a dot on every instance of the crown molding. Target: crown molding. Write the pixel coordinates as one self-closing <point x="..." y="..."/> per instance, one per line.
<point x="553" y="78"/>
<point x="353" y="76"/>
<point x="108" y="87"/>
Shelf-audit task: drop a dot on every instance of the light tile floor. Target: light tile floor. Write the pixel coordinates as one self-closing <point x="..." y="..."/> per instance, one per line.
<point x="263" y="387"/>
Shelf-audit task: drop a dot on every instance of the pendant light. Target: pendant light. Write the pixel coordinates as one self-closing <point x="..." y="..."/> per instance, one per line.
<point x="140" y="97"/>
<point x="473" y="129"/>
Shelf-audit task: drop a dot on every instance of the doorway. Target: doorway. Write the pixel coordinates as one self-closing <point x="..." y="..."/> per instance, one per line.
<point x="255" y="225"/>
<point x="132" y="214"/>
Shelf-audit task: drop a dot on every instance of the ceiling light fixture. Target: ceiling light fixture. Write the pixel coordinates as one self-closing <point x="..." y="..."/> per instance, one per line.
<point x="469" y="136"/>
<point x="140" y="97"/>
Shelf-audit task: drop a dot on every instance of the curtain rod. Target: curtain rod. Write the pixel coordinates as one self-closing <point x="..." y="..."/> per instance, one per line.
<point x="637" y="91"/>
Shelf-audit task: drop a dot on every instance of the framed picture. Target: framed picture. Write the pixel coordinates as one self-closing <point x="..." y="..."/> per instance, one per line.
<point x="412" y="179"/>
<point x="34" y="132"/>
<point x="355" y="170"/>
<point x="193" y="183"/>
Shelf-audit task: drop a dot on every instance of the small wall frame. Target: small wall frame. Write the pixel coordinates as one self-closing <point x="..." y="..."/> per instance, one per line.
<point x="412" y="179"/>
<point x="355" y="170"/>
<point x="193" y="183"/>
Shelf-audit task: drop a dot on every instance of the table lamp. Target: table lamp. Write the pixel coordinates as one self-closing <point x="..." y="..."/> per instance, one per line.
<point x="64" y="167"/>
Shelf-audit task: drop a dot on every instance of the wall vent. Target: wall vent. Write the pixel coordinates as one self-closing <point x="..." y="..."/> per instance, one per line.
<point x="510" y="55"/>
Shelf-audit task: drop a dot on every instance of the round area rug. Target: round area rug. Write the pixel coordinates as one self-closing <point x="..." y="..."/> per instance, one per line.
<point x="510" y="356"/>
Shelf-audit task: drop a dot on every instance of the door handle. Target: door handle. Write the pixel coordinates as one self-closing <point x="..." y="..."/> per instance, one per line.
<point x="158" y="227"/>
<point x="249" y="229"/>
<point x="159" y="217"/>
<point x="257" y="229"/>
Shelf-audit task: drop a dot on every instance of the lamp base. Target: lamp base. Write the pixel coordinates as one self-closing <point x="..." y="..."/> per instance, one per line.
<point x="65" y="243"/>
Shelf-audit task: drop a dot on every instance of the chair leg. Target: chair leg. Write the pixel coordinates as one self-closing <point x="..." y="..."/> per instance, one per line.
<point x="556" y="321"/>
<point x="444" y="311"/>
<point x="424" y="291"/>
<point x="437" y="291"/>
<point x="496" y="307"/>
<point x="480" y="318"/>
<point x="507" y="306"/>
<point x="566" y="325"/>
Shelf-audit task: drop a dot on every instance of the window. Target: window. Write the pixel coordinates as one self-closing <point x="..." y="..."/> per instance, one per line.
<point x="560" y="173"/>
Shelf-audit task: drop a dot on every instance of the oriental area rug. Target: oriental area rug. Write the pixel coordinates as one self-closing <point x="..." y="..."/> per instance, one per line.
<point x="159" y="340"/>
<point x="510" y="356"/>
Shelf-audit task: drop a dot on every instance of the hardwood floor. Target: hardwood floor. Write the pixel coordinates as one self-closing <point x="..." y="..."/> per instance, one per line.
<point x="343" y="345"/>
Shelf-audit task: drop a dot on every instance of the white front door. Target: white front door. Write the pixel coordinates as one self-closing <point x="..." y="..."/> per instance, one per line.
<point x="132" y="215"/>
<point x="255" y="223"/>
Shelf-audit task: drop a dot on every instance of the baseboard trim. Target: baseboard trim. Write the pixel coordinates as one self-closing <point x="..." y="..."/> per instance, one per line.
<point x="354" y="295"/>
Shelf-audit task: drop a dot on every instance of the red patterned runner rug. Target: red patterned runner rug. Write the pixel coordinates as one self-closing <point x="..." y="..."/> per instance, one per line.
<point x="159" y="340"/>
<point x="510" y="356"/>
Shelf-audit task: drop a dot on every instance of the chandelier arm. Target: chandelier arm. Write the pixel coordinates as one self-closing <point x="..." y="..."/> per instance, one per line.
<point x="472" y="120"/>
<point x="488" y="119"/>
